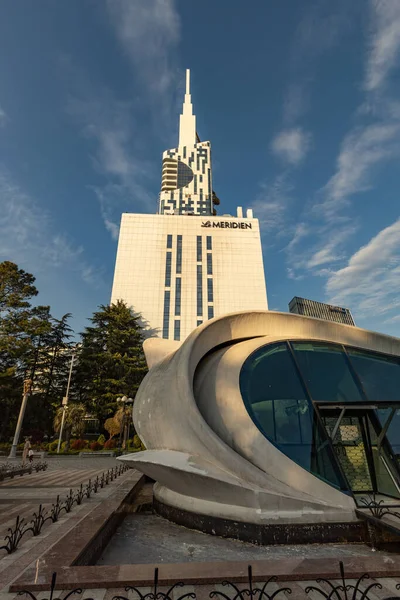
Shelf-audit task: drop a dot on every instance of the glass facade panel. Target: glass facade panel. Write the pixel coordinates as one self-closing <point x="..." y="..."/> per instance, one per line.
<point x="179" y="254"/>
<point x="393" y="432"/>
<point x="199" y="295"/>
<point x="199" y="249"/>
<point x="177" y="331"/>
<point x="210" y="312"/>
<point x="168" y="269"/>
<point x="185" y="175"/>
<point x="169" y="241"/>
<point x="209" y="264"/>
<point x="379" y="375"/>
<point x="178" y="290"/>
<point x="326" y="372"/>
<point x="276" y="401"/>
<point x="209" y="242"/>
<point x="167" y="299"/>
<point x="210" y="291"/>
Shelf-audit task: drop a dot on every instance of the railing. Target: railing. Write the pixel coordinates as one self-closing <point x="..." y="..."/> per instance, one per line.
<point x="338" y="589"/>
<point x="41" y="516"/>
<point x="378" y="508"/>
<point x="11" y="471"/>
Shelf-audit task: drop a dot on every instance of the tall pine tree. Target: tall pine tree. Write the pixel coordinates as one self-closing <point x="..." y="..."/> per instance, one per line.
<point x="33" y="345"/>
<point x="111" y="362"/>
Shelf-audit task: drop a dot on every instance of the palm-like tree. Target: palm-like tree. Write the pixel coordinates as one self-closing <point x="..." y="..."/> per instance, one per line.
<point x="74" y="423"/>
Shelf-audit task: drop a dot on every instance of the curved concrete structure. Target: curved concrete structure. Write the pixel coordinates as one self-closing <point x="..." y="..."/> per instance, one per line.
<point x="203" y="448"/>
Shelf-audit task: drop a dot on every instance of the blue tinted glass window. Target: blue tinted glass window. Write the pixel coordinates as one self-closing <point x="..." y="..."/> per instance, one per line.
<point x="210" y="312"/>
<point x="199" y="323"/>
<point x="326" y="372"/>
<point x="167" y="298"/>
<point x="209" y="264"/>
<point x="210" y="292"/>
<point x="379" y="375"/>
<point x="178" y="289"/>
<point x="209" y="242"/>
<point x="277" y="403"/>
<point x="199" y="295"/>
<point x="185" y="175"/>
<point x="199" y="248"/>
<point x="179" y="254"/>
<point x="168" y="269"/>
<point x="177" y="330"/>
<point x="169" y="241"/>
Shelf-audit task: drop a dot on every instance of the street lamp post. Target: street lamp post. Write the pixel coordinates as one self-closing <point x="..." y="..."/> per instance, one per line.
<point x="25" y="396"/>
<point x="65" y="401"/>
<point x="124" y="401"/>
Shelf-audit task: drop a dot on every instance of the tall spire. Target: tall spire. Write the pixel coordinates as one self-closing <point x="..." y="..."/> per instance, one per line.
<point x="188" y="82"/>
<point x="187" y="120"/>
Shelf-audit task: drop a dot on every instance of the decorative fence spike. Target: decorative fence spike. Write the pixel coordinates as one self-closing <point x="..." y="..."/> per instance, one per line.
<point x="40" y="517"/>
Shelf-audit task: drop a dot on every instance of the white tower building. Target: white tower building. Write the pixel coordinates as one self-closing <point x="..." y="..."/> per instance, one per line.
<point x="186" y="185"/>
<point x="178" y="270"/>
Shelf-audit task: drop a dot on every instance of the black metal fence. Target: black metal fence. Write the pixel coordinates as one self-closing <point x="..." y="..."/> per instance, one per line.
<point x="42" y="516"/>
<point x="379" y="508"/>
<point x="336" y="589"/>
<point x="9" y="470"/>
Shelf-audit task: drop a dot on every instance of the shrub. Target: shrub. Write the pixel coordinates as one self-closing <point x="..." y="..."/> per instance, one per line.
<point x="78" y="444"/>
<point x="110" y="444"/>
<point x="101" y="439"/>
<point x="95" y="446"/>
<point x="137" y="443"/>
<point x="53" y="446"/>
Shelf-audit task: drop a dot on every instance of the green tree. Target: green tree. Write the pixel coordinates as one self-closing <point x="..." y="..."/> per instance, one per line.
<point x="49" y="371"/>
<point x="16" y="289"/>
<point x="112" y="426"/>
<point x="74" y="424"/>
<point x="33" y="345"/>
<point x="111" y="362"/>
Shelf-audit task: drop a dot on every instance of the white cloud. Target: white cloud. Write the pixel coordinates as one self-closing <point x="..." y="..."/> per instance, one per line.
<point x="291" y="145"/>
<point x="149" y="31"/>
<point x="384" y="42"/>
<point x="110" y="128"/>
<point x="327" y="247"/>
<point x="371" y="279"/>
<point x="362" y="149"/>
<point x="271" y="203"/>
<point x="301" y="231"/>
<point x="332" y="248"/>
<point x="27" y="236"/>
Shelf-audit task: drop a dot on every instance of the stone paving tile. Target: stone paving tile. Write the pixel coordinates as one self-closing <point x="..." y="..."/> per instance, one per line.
<point x="11" y="566"/>
<point x="202" y="592"/>
<point x="110" y="593"/>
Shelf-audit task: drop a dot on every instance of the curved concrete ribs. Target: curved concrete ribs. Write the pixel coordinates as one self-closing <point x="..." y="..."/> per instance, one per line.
<point x="204" y="450"/>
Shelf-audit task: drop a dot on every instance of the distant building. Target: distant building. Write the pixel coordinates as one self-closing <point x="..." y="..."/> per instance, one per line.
<point x="319" y="310"/>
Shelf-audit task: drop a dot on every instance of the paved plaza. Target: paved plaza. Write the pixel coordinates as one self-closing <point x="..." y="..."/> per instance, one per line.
<point x="22" y="495"/>
<point x="147" y="539"/>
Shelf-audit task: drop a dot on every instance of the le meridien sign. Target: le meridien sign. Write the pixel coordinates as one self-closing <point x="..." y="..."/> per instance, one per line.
<point x="227" y="224"/>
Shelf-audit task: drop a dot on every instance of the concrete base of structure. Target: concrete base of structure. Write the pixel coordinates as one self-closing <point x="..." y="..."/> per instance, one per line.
<point x="268" y="533"/>
<point x="254" y="512"/>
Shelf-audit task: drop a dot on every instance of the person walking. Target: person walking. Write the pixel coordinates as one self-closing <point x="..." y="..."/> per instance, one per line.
<point x="27" y="447"/>
<point x="30" y="455"/>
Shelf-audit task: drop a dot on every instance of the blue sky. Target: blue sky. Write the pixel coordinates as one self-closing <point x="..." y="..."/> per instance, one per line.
<point x="299" y="99"/>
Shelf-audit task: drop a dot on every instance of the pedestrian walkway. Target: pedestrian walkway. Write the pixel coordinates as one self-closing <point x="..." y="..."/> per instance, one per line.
<point x="62" y="474"/>
<point x="31" y="548"/>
